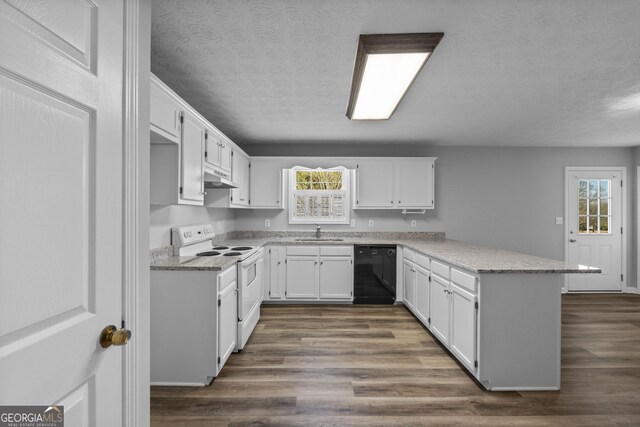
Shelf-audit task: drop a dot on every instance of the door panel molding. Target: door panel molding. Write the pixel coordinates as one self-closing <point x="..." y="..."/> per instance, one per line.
<point x="622" y="171"/>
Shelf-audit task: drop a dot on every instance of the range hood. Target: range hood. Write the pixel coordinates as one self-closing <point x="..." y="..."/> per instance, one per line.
<point x="216" y="179"/>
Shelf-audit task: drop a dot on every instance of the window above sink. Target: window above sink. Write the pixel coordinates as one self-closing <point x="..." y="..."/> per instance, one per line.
<point x="319" y="196"/>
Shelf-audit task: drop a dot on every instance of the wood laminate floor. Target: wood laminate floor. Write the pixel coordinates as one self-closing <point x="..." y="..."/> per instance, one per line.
<point x="376" y="365"/>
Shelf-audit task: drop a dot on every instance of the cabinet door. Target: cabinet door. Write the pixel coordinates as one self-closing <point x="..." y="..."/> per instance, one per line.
<point x="414" y="183"/>
<point x="374" y="184"/>
<point x="225" y="156"/>
<point x="265" y="184"/>
<point x="276" y="272"/>
<point x="302" y="277"/>
<point x="212" y="148"/>
<point x="336" y="277"/>
<point x="164" y="116"/>
<point x="463" y="325"/>
<point x="439" y="308"/>
<point x="409" y="276"/>
<point x="422" y="294"/>
<point x="239" y="173"/>
<point x="227" y="323"/>
<point x="192" y="160"/>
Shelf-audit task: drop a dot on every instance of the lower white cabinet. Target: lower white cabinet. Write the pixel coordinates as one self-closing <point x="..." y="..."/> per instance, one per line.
<point x="336" y="274"/>
<point x="310" y="273"/>
<point x="423" y="285"/>
<point x="302" y="277"/>
<point x="463" y="325"/>
<point x="409" y="281"/>
<point x="227" y="315"/>
<point x="440" y="308"/>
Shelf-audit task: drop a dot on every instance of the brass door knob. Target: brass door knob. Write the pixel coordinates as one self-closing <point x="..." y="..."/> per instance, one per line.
<point x="111" y="335"/>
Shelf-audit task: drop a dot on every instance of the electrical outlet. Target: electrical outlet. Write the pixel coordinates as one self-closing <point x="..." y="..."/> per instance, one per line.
<point x="559" y="220"/>
<point x="353" y="223"/>
<point x="414" y="223"/>
<point x="267" y="223"/>
<point x="370" y="223"/>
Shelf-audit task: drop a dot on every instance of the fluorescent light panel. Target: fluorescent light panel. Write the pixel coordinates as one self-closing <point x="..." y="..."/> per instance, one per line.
<point x="385" y="67"/>
<point x="385" y="80"/>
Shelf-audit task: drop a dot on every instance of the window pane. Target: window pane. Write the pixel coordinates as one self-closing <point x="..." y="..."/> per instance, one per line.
<point x="303" y="186"/>
<point x="604" y="224"/>
<point x="604" y="206"/>
<point x="604" y="188"/>
<point x="582" y="207"/>
<point x="303" y="176"/>
<point x="593" y="206"/>
<point x="593" y="224"/>
<point x="582" y="188"/>
<point x="593" y="188"/>
<point x="582" y="224"/>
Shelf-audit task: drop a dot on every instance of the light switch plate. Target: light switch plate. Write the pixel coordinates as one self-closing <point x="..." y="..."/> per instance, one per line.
<point x="559" y="220"/>
<point x="267" y="223"/>
<point x="370" y="223"/>
<point x="413" y="223"/>
<point x="353" y="222"/>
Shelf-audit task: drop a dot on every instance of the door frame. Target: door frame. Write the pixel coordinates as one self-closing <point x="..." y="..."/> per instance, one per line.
<point x="568" y="170"/>
<point x="135" y="233"/>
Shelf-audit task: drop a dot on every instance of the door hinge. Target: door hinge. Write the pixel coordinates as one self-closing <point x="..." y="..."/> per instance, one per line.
<point x="269" y="293"/>
<point x="285" y="261"/>
<point x="351" y="293"/>
<point x="232" y="154"/>
<point x="285" y="293"/>
<point x="249" y="165"/>
<point x="180" y="190"/>
<point x="475" y="363"/>
<point x="218" y="360"/>
<point x="206" y="135"/>
<point x="205" y="154"/>
<point x="351" y="261"/>
<point x="357" y="166"/>
<point x="476" y="305"/>
<point x="620" y="183"/>
<point x="219" y="303"/>
<point x="232" y="198"/>
<point x="124" y="324"/>
<point x="620" y="230"/>
<point x="429" y="278"/>
<point x="181" y="118"/>
<point x="429" y="320"/>
<point x="269" y="250"/>
<point x="622" y="277"/>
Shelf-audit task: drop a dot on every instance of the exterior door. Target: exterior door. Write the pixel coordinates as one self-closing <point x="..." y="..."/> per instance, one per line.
<point x="594" y="199"/>
<point x="61" y="167"/>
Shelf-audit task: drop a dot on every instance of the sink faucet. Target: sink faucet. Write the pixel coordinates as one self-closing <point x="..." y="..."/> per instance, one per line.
<point x="318" y="230"/>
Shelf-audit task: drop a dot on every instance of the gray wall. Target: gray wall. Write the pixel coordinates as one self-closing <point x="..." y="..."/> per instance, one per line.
<point x="162" y="218"/>
<point x="502" y="197"/>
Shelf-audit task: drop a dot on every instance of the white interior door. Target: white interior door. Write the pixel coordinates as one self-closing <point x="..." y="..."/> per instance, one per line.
<point x="61" y="68"/>
<point x="594" y="200"/>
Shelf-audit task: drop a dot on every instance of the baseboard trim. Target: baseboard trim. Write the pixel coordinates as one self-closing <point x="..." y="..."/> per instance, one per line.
<point x="631" y="290"/>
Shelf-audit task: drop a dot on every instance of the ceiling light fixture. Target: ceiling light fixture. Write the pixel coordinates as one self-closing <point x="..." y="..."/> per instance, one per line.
<point x="386" y="65"/>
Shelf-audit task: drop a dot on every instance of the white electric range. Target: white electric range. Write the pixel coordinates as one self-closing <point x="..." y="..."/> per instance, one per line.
<point x="196" y="240"/>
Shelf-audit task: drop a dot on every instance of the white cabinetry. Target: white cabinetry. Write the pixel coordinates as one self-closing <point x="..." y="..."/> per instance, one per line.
<point x="227" y="315"/>
<point x="310" y="273"/>
<point x="440" y="309"/>
<point x="192" y="188"/>
<point x="217" y="151"/>
<point x="240" y="175"/>
<point x="374" y="184"/>
<point x="277" y="272"/>
<point x="164" y="114"/>
<point x="423" y="286"/>
<point x="302" y="277"/>
<point x="265" y="184"/>
<point x="398" y="183"/>
<point x="409" y="276"/>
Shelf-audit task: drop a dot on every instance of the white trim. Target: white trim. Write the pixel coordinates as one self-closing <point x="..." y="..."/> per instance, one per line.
<point x="631" y="290"/>
<point x="623" y="206"/>
<point x="135" y="250"/>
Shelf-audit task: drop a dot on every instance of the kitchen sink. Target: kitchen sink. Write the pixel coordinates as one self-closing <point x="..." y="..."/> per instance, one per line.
<point x="315" y="239"/>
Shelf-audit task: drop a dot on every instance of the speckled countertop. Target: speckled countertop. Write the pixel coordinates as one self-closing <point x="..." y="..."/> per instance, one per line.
<point x="478" y="259"/>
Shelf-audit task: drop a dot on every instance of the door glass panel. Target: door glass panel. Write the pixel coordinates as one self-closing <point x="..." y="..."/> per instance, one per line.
<point x="594" y="206"/>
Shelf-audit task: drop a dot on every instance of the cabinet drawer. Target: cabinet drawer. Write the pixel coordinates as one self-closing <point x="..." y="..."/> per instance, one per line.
<point x="464" y="280"/>
<point x="423" y="261"/>
<point x="302" y="250"/>
<point x="409" y="254"/>
<point x="440" y="269"/>
<point x="336" y="250"/>
<point x="226" y="278"/>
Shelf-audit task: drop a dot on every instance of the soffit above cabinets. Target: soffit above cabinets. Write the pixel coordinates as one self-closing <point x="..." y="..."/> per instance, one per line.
<point x="508" y="73"/>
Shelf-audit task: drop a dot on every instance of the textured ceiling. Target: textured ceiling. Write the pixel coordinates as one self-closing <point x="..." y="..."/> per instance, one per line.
<point x="507" y="73"/>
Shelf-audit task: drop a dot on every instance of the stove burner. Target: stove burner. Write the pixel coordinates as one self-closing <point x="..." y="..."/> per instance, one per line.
<point x="221" y="248"/>
<point x="242" y="248"/>
<point x="208" y="253"/>
<point x="232" y="254"/>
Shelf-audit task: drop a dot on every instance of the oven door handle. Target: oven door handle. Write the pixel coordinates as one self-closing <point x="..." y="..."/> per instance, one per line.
<point x="251" y="260"/>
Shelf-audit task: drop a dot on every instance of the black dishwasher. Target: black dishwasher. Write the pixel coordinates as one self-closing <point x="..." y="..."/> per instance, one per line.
<point x="374" y="274"/>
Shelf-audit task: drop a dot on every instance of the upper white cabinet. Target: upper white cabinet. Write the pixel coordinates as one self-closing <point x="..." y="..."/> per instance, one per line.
<point x="164" y="114"/>
<point x="414" y="183"/>
<point x="193" y="131"/>
<point x="265" y="184"/>
<point x="217" y="151"/>
<point x="374" y="184"/>
<point x="396" y="183"/>
<point x="240" y="175"/>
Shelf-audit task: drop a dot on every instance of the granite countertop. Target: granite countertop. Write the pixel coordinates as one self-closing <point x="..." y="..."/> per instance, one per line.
<point x="163" y="259"/>
<point x="474" y="258"/>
